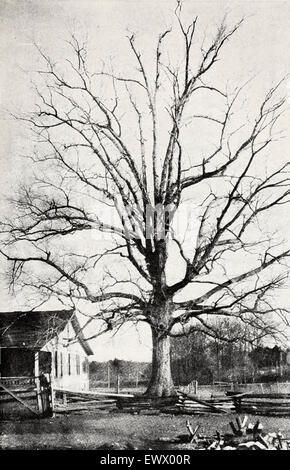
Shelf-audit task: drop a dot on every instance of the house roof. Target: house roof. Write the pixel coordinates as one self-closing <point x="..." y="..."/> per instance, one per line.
<point x="80" y="336"/>
<point x="34" y="329"/>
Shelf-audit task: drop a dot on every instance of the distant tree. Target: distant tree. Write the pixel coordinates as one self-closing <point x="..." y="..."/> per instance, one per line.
<point x="191" y="359"/>
<point x="227" y="357"/>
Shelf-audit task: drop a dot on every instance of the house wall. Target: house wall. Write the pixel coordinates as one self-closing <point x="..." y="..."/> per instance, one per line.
<point x="70" y="367"/>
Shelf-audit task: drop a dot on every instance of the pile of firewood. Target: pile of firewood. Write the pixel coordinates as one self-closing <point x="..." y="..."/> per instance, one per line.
<point x="244" y="435"/>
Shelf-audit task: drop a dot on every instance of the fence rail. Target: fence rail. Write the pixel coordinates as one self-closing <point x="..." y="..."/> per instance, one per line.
<point x="212" y="389"/>
<point x="17" y="381"/>
<point x="19" y="394"/>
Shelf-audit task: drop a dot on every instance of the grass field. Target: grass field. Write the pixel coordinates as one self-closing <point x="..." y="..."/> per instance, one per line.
<point x="115" y="430"/>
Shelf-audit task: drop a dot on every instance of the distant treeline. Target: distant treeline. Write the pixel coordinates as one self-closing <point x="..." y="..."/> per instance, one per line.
<point x="130" y="373"/>
<point x="197" y="357"/>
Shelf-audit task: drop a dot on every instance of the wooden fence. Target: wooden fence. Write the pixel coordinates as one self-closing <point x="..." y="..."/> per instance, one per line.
<point x="25" y="397"/>
<point x="207" y="391"/>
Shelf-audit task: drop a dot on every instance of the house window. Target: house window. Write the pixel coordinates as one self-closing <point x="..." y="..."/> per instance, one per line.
<point x="69" y="364"/>
<point x="85" y="368"/>
<point x="78" y="364"/>
<point x="55" y="364"/>
<point x="61" y="364"/>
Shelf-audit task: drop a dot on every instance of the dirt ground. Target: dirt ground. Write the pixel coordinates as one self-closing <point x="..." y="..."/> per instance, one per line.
<point x="115" y="430"/>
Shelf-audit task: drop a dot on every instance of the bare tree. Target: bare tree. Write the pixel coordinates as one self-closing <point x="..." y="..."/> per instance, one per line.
<point x="110" y="145"/>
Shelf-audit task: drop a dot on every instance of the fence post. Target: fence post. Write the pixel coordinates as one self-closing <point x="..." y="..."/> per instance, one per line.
<point x="109" y="375"/>
<point x="37" y="382"/>
<point x="118" y="383"/>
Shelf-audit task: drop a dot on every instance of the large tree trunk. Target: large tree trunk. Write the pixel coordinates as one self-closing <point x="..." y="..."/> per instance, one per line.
<point x="161" y="383"/>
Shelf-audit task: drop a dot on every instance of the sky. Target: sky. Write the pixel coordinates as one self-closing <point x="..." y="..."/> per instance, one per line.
<point x="260" y="48"/>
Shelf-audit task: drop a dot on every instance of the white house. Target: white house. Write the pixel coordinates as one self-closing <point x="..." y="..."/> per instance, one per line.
<point x="50" y="343"/>
<point x="70" y="351"/>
